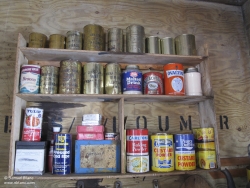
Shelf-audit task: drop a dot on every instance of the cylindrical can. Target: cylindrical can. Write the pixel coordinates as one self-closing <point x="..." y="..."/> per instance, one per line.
<point x="74" y="40"/>
<point x="32" y="125"/>
<point x="184" y="152"/>
<point x="111" y="136"/>
<point x="153" y="83"/>
<point x="138" y="164"/>
<point x="192" y="81"/>
<point x="113" y="78"/>
<point x="153" y="45"/>
<point x="202" y="135"/>
<point x="93" y="78"/>
<point x="49" y="79"/>
<point x="173" y="79"/>
<point x="62" y="153"/>
<point x="70" y="77"/>
<point x="57" y="41"/>
<point x="132" y="80"/>
<point x="137" y="141"/>
<point x="162" y="152"/>
<point x="167" y="46"/>
<point x="135" y="39"/>
<point x="206" y="159"/>
<point x="37" y="40"/>
<point x="93" y="37"/>
<point x="185" y="44"/>
<point x="30" y="79"/>
<point x="115" y="40"/>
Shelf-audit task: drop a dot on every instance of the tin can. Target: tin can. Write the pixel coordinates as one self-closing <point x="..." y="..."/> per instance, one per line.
<point x="37" y="40"/>
<point x="206" y="159"/>
<point x="162" y="152"/>
<point x="62" y="154"/>
<point x="93" y="37"/>
<point x="135" y="39"/>
<point x="192" y="82"/>
<point x="174" y="79"/>
<point x="113" y="79"/>
<point x="57" y="41"/>
<point x="30" y="79"/>
<point x="153" y="83"/>
<point x="74" y="40"/>
<point x="32" y="125"/>
<point x="93" y="78"/>
<point x="185" y="44"/>
<point x="70" y="77"/>
<point x="138" y="164"/>
<point x="137" y="141"/>
<point x="168" y="46"/>
<point x="112" y="136"/>
<point x="184" y="152"/>
<point x="153" y="45"/>
<point x="49" y="80"/>
<point x="132" y="80"/>
<point x="115" y="40"/>
<point x="202" y="135"/>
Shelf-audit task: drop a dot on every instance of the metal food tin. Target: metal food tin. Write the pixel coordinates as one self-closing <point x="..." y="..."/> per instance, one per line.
<point x="153" y="45"/>
<point x="202" y="135"/>
<point x="37" y="40"/>
<point x="174" y="79"/>
<point x="57" y="41"/>
<point x="112" y="136"/>
<point x="206" y="159"/>
<point x="162" y="152"/>
<point x="115" y="40"/>
<point x="70" y="77"/>
<point x="138" y="164"/>
<point x="74" y="40"/>
<point x="184" y="152"/>
<point x="192" y="81"/>
<point x="94" y="37"/>
<point x="185" y="44"/>
<point x="168" y="46"/>
<point x="30" y="79"/>
<point x="137" y="141"/>
<point x="49" y="80"/>
<point x="113" y="78"/>
<point x="62" y="153"/>
<point x="32" y="125"/>
<point x="135" y="39"/>
<point x="153" y="83"/>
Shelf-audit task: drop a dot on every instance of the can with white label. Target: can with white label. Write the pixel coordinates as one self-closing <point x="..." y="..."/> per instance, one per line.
<point x="138" y="164"/>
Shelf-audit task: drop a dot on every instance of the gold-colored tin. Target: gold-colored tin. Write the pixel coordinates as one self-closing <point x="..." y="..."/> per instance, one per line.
<point x="167" y="46"/>
<point x="135" y="39"/>
<point x="204" y="134"/>
<point x="115" y="40"/>
<point x="74" y="40"/>
<point x="70" y="77"/>
<point x="113" y="78"/>
<point x="94" y="38"/>
<point x="49" y="80"/>
<point x="57" y="41"/>
<point x="206" y="159"/>
<point x="37" y="40"/>
<point x="185" y="44"/>
<point x="153" y="45"/>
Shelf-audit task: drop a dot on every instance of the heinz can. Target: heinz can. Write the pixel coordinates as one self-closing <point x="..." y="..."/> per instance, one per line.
<point x="113" y="78"/>
<point x="174" y="79"/>
<point x="153" y="83"/>
<point x="62" y="154"/>
<point x="137" y="141"/>
<point x="57" y="41"/>
<point x="135" y="39"/>
<point x="74" y="40"/>
<point x="49" y="80"/>
<point x="30" y="79"/>
<point x="184" y="152"/>
<point x="115" y="40"/>
<point x="32" y="125"/>
<point x="37" y="40"/>
<point x="138" y="164"/>
<point x="162" y="152"/>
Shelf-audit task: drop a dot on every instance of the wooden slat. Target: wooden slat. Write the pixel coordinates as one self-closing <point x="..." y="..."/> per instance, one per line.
<point x="241" y="172"/>
<point x="235" y="161"/>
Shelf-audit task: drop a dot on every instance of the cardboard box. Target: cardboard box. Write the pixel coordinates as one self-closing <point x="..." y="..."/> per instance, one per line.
<point x="90" y="129"/>
<point x="90" y="136"/>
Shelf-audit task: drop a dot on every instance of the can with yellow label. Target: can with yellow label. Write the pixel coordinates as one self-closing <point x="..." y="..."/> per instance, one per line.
<point x="203" y="134"/>
<point x="206" y="159"/>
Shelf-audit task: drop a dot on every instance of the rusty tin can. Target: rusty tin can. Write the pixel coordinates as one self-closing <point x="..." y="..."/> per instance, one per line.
<point x="37" y="40"/>
<point x="138" y="164"/>
<point x="74" y="40"/>
<point x="115" y="40"/>
<point x="167" y="46"/>
<point x="135" y="39"/>
<point x="185" y="44"/>
<point x="57" y="41"/>
<point x="153" y="83"/>
<point x="153" y="45"/>
<point x="113" y="78"/>
<point x="49" y="79"/>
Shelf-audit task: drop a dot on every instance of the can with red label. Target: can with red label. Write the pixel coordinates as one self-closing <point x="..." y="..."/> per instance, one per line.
<point x="32" y="126"/>
<point x="153" y="83"/>
<point x="137" y="141"/>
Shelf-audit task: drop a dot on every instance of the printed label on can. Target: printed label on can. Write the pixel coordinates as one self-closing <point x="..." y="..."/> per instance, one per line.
<point x="111" y="136"/>
<point x="132" y="81"/>
<point x="153" y="83"/>
<point x="206" y="159"/>
<point x="203" y="134"/>
<point x="137" y="142"/>
<point x="137" y="164"/>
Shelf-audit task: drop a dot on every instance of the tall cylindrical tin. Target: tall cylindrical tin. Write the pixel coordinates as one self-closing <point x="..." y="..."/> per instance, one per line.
<point x="113" y="79"/>
<point x="57" y="41"/>
<point x="70" y="77"/>
<point x="162" y="152"/>
<point x="153" y="45"/>
<point x="94" y="37"/>
<point x="185" y="44"/>
<point x="167" y="46"/>
<point x="138" y="164"/>
<point x="115" y="40"/>
<point x="184" y="152"/>
<point x="37" y="40"/>
<point x="173" y="79"/>
<point x="135" y="39"/>
<point x="74" y="40"/>
<point x="62" y="154"/>
<point x="153" y="83"/>
<point x="49" y="80"/>
<point x="192" y="81"/>
<point x="93" y="78"/>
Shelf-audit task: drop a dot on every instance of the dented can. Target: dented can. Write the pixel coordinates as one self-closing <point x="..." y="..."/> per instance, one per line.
<point x="113" y="79"/>
<point x="137" y="141"/>
<point x="138" y="164"/>
<point x="153" y="83"/>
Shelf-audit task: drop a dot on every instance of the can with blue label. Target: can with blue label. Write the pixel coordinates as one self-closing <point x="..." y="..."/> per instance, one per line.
<point x="62" y="154"/>
<point x="184" y="152"/>
<point x="132" y="80"/>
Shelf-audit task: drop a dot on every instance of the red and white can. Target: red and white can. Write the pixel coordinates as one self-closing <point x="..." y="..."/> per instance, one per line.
<point x="32" y="126"/>
<point x="153" y="83"/>
<point x="137" y="141"/>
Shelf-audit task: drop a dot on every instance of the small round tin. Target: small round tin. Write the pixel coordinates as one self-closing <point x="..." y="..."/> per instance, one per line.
<point x="138" y="164"/>
<point x="167" y="46"/>
<point x="135" y="39"/>
<point x="49" y="79"/>
<point x="153" y="45"/>
<point x="115" y="40"/>
<point x="57" y="41"/>
<point x="153" y="83"/>
<point x="37" y="40"/>
<point x="74" y="40"/>
<point x="185" y="44"/>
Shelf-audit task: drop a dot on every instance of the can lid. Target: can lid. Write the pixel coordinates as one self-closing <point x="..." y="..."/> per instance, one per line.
<point x="132" y="67"/>
<point x="190" y="69"/>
